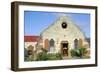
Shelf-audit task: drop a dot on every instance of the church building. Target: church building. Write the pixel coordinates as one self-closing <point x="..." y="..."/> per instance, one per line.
<point x="62" y="36"/>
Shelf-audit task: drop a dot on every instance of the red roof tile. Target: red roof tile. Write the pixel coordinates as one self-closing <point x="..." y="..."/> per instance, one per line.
<point x="31" y="38"/>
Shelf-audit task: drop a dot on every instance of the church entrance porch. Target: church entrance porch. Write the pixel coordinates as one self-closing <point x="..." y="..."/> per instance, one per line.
<point x="64" y="48"/>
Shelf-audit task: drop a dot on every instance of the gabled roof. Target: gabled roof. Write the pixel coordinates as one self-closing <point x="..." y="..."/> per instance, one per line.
<point x="31" y="38"/>
<point x="57" y="24"/>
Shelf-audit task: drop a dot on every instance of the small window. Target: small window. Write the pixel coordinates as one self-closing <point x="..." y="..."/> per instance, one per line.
<point x="64" y="25"/>
<point x="52" y="46"/>
<point x="52" y="42"/>
<point x="76" y="43"/>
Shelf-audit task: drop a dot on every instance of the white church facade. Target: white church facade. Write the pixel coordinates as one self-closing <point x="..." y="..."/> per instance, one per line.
<point x="62" y="36"/>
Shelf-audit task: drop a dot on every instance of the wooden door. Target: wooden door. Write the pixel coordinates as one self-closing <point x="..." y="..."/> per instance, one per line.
<point x="64" y="48"/>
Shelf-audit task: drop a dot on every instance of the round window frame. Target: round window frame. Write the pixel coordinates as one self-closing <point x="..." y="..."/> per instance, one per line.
<point x="64" y="25"/>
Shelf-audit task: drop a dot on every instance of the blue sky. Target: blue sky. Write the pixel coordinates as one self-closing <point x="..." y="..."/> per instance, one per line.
<point x="35" y="22"/>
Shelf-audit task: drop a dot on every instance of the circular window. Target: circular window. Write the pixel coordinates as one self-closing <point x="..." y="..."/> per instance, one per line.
<point x="64" y="25"/>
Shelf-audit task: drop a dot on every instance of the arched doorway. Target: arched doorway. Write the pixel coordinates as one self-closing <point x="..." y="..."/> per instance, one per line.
<point x="64" y="48"/>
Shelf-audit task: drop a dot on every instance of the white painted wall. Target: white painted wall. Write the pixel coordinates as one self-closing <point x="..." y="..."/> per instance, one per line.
<point x="70" y="33"/>
<point x="5" y="38"/>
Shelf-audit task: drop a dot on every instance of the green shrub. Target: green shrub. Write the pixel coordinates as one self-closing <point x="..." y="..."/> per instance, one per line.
<point x="42" y="56"/>
<point x="73" y="52"/>
<point x="55" y="56"/>
<point x="58" y="55"/>
<point x="78" y="52"/>
<point x="51" y="56"/>
<point x="82" y="51"/>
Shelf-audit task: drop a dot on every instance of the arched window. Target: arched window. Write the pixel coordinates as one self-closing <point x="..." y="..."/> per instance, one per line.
<point x="46" y="44"/>
<point x="52" y="43"/>
<point x="76" y="43"/>
<point x="52" y="46"/>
